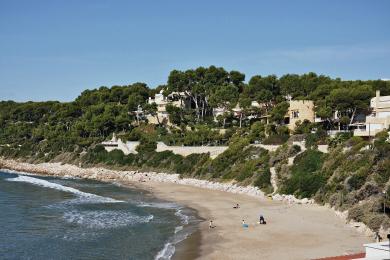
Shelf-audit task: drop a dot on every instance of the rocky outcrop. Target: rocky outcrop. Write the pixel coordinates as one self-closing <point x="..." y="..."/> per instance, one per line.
<point x="291" y="199"/>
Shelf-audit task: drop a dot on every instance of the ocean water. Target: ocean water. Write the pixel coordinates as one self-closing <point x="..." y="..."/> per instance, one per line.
<point x="55" y="218"/>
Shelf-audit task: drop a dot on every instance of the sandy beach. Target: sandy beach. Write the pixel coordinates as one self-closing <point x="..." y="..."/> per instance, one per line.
<point x="293" y="231"/>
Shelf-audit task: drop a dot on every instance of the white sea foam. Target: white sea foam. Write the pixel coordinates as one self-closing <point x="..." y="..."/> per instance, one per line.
<point x="169" y="248"/>
<point x="169" y="205"/>
<point x="104" y="218"/>
<point x="184" y="218"/>
<point x="159" y="205"/>
<point x="179" y="228"/>
<point x="180" y="233"/>
<point x="18" y="172"/>
<point x="166" y="253"/>
<point x="65" y="177"/>
<point x="51" y="185"/>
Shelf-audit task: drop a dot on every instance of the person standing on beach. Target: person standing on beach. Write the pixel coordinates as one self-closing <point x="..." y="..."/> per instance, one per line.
<point x="211" y="224"/>
<point x="378" y="237"/>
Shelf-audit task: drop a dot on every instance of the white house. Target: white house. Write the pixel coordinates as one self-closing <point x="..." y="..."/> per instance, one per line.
<point x="379" y="119"/>
<point x="161" y="102"/>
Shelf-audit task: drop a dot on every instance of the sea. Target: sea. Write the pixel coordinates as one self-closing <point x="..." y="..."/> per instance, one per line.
<point x="65" y="218"/>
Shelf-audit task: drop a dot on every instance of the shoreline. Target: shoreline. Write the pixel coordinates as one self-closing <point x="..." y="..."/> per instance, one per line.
<point x="298" y="228"/>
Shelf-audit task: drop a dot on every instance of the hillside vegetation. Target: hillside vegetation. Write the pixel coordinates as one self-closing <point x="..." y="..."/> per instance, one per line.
<point x="353" y="176"/>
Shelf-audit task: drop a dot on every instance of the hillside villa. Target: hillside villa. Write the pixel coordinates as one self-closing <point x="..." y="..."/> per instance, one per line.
<point x="162" y="102"/>
<point x="299" y="110"/>
<point x="378" y="120"/>
<point x="237" y="110"/>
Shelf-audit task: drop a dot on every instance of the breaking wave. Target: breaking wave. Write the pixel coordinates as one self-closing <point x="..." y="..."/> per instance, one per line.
<point x="56" y="186"/>
<point x="102" y="219"/>
<point x="180" y="233"/>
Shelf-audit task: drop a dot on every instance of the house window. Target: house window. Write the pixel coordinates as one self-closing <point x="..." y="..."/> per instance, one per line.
<point x="295" y="114"/>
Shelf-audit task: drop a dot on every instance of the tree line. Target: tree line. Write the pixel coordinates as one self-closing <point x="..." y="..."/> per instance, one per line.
<point x="95" y="114"/>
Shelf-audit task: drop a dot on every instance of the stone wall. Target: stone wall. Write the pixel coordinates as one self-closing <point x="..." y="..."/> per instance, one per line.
<point x="187" y="150"/>
<point x="129" y="147"/>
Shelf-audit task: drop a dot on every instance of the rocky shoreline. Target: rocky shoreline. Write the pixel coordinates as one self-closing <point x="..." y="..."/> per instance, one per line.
<point x="103" y="174"/>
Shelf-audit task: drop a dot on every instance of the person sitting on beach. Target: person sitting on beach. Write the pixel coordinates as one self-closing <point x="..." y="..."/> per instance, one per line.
<point x="211" y="224"/>
<point x="262" y="220"/>
<point x="237" y="206"/>
<point x="244" y="225"/>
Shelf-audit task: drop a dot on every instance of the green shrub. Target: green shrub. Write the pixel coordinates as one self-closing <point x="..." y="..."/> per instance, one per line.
<point x="382" y="173"/>
<point x="356" y="213"/>
<point x="146" y="145"/>
<point x="295" y="149"/>
<point x="115" y="157"/>
<point x="276" y="139"/>
<point x="374" y="221"/>
<point x="304" y="127"/>
<point x="356" y="181"/>
<point x="257" y="132"/>
<point x="246" y="171"/>
<point x="354" y="140"/>
<point x="306" y="179"/>
<point x="263" y="180"/>
<point x="311" y="141"/>
<point x="368" y="190"/>
<point x="369" y="212"/>
<point x="339" y="139"/>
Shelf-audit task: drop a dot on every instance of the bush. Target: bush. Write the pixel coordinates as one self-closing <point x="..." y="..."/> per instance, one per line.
<point x="356" y="213"/>
<point x="369" y="213"/>
<point x="311" y="141"/>
<point x="382" y="173"/>
<point x="335" y="200"/>
<point x="374" y="221"/>
<point x="257" y="132"/>
<point x="339" y="139"/>
<point x="276" y="139"/>
<point x="306" y="179"/>
<point x="189" y="164"/>
<point x="115" y="157"/>
<point x="246" y="171"/>
<point x="294" y="150"/>
<point x="146" y="145"/>
<point x="304" y="127"/>
<point x="354" y="140"/>
<point x="356" y="181"/>
<point x="381" y="144"/>
<point x="367" y="190"/>
<point x="263" y="180"/>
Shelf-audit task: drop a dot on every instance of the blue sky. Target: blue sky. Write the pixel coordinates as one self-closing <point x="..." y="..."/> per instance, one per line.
<point x="53" y="50"/>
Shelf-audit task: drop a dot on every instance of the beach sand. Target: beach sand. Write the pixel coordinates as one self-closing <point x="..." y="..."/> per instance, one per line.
<point x="292" y="231"/>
